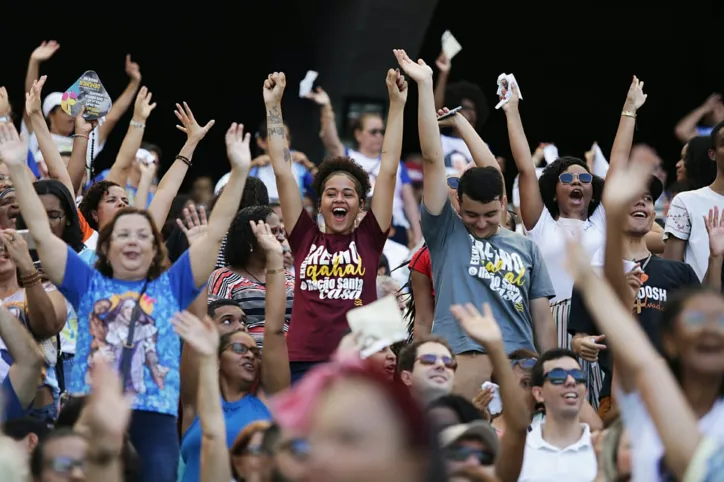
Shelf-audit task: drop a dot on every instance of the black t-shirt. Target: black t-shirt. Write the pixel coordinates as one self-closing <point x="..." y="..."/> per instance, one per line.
<point x="665" y="276"/>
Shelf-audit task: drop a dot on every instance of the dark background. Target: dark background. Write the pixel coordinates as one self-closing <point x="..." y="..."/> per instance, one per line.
<point x="574" y="65"/>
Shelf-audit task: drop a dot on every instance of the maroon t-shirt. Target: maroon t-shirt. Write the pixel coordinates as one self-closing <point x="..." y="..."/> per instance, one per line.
<point x="334" y="274"/>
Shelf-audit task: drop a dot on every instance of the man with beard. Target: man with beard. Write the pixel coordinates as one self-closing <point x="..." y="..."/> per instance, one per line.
<point x="651" y="279"/>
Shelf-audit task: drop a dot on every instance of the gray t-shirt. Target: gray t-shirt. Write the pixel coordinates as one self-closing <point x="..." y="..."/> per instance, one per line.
<point x="505" y="270"/>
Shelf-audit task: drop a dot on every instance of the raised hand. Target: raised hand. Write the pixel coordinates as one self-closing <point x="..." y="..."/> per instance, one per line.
<point x="715" y="229"/>
<point x="449" y="121"/>
<point x="133" y="70"/>
<point x="84" y="127"/>
<point x="319" y="96"/>
<point x="13" y="147"/>
<point x="626" y="185"/>
<point x="443" y="63"/>
<point x="265" y="238"/>
<point x="17" y="249"/>
<point x="108" y="411"/>
<point x="483" y="399"/>
<point x="201" y="335"/>
<point x="635" y="97"/>
<point x="33" y="98"/>
<point x="396" y="86"/>
<point x="5" y="109"/>
<point x="481" y="327"/>
<point x="143" y="106"/>
<point x="147" y="170"/>
<point x="194" y="224"/>
<point x="189" y="126"/>
<point x="514" y="99"/>
<point x="274" y="87"/>
<point x="237" y="147"/>
<point x="419" y="72"/>
<point x="44" y="51"/>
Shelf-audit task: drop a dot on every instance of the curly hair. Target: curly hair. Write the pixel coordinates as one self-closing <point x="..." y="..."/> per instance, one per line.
<point x="549" y="180"/>
<point x="457" y="91"/>
<point x="332" y="165"/>
<point x="160" y="261"/>
<point x="240" y="241"/>
<point x="255" y="193"/>
<point x="91" y="200"/>
<point x="700" y="169"/>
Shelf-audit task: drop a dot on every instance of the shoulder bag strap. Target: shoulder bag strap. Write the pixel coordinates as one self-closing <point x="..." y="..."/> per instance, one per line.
<point x="128" y="345"/>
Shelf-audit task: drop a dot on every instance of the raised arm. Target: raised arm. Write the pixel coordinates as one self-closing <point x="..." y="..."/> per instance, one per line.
<point x="531" y="201"/>
<point x="384" y="193"/>
<point x="41" y="53"/>
<point x="686" y="127"/>
<point x="174" y="177"/>
<point x="122" y="103"/>
<point x="26" y="370"/>
<point x="621" y="150"/>
<point x="434" y="188"/>
<point x="444" y="65"/>
<point x="328" y="132"/>
<point x="203" y="252"/>
<point x="482" y="157"/>
<point x="275" y="375"/>
<point x="52" y="251"/>
<point x="281" y="158"/>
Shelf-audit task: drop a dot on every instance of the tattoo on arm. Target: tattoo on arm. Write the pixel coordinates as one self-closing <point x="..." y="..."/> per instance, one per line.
<point x="277" y="132"/>
<point x="274" y="116"/>
<point x="287" y="156"/>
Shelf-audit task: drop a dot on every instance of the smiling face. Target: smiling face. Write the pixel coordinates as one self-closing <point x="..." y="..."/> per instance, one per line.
<point x="340" y="204"/>
<point x="573" y="198"/>
<point x="9" y="209"/>
<point x="131" y="247"/>
<point x="563" y="400"/>
<point x="430" y="377"/>
<point x="641" y="216"/>
<point x="481" y="219"/>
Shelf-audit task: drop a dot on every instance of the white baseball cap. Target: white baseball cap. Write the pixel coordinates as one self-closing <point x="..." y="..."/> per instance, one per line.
<point x="51" y="101"/>
<point x="475" y="429"/>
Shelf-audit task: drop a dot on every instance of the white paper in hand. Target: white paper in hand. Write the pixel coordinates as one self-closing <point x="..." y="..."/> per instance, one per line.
<point x="505" y="90"/>
<point x="550" y="153"/>
<point x="598" y="259"/>
<point x="305" y="86"/>
<point x="450" y="46"/>
<point x="377" y="325"/>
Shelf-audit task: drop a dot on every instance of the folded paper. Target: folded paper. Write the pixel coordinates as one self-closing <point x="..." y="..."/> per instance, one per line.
<point x="450" y="46"/>
<point x="88" y="92"/>
<point x="377" y="325"/>
<point x="505" y="89"/>
<point x="305" y="86"/>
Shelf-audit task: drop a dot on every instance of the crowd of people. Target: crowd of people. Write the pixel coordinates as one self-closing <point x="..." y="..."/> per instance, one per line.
<point x="563" y="325"/>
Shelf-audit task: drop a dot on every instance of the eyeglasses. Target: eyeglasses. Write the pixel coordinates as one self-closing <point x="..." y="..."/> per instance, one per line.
<point x="429" y="360"/>
<point x="55" y="219"/>
<point x="376" y="132"/>
<point x="525" y="363"/>
<point x="242" y="349"/>
<point x="460" y="453"/>
<point x="65" y="465"/>
<point x="699" y="318"/>
<point x="453" y="182"/>
<point x="569" y="177"/>
<point x="558" y="376"/>
<point x="254" y="450"/>
<point x="299" y="448"/>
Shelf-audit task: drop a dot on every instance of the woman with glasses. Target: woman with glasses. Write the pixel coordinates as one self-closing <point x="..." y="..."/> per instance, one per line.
<point x="232" y="372"/>
<point x="244" y="279"/>
<point x="249" y="456"/>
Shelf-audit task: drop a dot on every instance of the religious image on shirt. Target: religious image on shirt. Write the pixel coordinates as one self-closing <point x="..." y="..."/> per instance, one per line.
<point x="503" y="271"/>
<point x="334" y="276"/>
<point x="110" y="321"/>
<point x="457" y="161"/>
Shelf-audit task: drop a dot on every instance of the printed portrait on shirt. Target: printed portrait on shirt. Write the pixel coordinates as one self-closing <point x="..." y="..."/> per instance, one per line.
<point x="335" y="276"/>
<point x="110" y="322"/>
<point x="504" y="272"/>
<point x="456" y="161"/>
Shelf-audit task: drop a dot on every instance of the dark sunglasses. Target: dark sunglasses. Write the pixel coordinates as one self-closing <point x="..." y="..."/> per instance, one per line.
<point x="429" y="360"/>
<point x="525" y="363"/>
<point x="65" y="465"/>
<point x="569" y="177"/>
<point x="299" y="448"/>
<point x="558" y="376"/>
<point x="375" y="132"/>
<point x="460" y="453"/>
<point x="453" y="182"/>
<point x="699" y="318"/>
<point x="242" y="349"/>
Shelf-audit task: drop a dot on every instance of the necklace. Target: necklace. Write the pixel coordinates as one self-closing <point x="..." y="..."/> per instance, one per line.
<point x="251" y="275"/>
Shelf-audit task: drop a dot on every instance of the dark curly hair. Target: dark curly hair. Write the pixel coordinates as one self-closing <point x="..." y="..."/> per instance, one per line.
<point x="549" y="180"/>
<point x="457" y="91"/>
<point x="255" y="193"/>
<point x="240" y="241"/>
<point x="700" y="169"/>
<point x="160" y="260"/>
<point x="346" y="164"/>
<point x="91" y="200"/>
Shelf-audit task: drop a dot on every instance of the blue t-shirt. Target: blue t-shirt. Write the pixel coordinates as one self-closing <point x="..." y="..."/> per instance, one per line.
<point x="13" y="408"/>
<point x="237" y="415"/>
<point x="130" y="190"/>
<point x="104" y="307"/>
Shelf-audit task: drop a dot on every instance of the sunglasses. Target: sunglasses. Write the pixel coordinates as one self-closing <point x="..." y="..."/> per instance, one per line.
<point x="375" y="132"/>
<point x="242" y="349"/>
<point x="453" y="182"/>
<point x="299" y="448"/>
<point x="459" y="453"/>
<point x="429" y="360"/>
<point x="699" y="318"/>
<point x="569" y="177"/>
<point x="525" y="363"/>
<point x="65" y="465"/>
<point x="558" y="376"/>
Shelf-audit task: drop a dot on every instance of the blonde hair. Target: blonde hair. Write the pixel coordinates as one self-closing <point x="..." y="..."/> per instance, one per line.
<point x="608" y="458"/>
<point x="14" y="465"/>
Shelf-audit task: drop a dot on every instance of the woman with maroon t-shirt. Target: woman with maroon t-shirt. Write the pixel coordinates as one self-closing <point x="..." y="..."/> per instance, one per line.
<point x="336" y="266"/>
